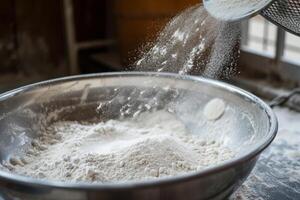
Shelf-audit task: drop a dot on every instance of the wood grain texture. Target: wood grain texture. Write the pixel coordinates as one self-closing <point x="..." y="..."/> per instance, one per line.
<point x="40" y="35"/>
<point x="90" y="18"/>
<point x="8" y="44"/>
<point x="138" y="22"/>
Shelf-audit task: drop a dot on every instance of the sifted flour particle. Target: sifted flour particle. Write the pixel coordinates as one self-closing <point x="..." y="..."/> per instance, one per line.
<point x="153" y="145"/>
<point x="193" y="43"/>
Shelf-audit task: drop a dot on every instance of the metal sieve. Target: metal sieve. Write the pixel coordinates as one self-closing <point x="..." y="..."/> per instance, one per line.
<point x="284" y="13"/>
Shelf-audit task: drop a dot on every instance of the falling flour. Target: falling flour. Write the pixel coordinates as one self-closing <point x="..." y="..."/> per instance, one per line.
<point x="153" y="145"/>
<point x="194" y="43"/>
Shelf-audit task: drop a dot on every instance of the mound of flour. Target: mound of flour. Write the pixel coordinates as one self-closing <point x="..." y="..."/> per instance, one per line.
<point x="153" y="145"/>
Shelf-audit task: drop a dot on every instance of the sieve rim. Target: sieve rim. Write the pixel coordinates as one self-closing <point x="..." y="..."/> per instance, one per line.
<point x="243" y="17"/>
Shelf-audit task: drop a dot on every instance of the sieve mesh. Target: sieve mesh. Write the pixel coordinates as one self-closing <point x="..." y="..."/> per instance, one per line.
<point x="285" y="13"/>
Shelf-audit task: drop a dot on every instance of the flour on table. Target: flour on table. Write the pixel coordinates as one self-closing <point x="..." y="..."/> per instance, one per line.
<point x="154" y="145"/>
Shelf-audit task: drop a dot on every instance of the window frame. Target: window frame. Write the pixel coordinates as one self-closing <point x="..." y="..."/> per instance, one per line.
<point x="265" y="62"/>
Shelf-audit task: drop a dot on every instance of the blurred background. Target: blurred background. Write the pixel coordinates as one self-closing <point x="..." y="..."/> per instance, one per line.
<point x="53" y="38"/>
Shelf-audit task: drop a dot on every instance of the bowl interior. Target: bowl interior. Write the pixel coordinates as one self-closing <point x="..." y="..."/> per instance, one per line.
<point x="25" y="112"/>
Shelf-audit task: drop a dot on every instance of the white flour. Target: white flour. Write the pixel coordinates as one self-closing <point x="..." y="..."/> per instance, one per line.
<point x="153" y="145"/>
<point x="234" y="9"/>
<point x="194" y="43"/>
<point x="214" y="109"/>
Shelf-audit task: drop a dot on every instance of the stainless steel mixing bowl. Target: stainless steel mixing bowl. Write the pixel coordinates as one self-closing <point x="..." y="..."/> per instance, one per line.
<point x="247" y="127"/>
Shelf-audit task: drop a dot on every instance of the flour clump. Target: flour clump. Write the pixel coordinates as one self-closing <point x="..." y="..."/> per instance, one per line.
<point x="214" y="109"/>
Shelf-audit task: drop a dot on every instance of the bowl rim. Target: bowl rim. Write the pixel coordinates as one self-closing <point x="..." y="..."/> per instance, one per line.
<point x="33" y="182"/>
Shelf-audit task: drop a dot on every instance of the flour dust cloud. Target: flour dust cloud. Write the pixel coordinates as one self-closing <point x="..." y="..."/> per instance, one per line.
<point x="194" y="43"/>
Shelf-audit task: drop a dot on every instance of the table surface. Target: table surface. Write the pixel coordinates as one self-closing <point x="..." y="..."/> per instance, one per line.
<point x="276" y="175"/>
